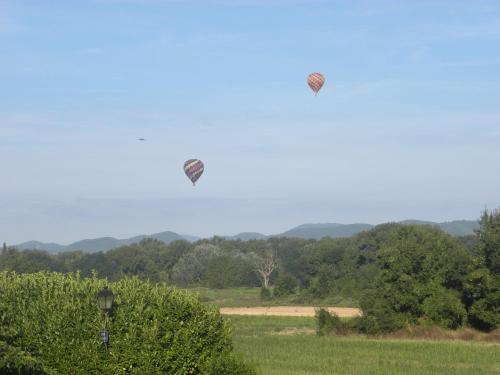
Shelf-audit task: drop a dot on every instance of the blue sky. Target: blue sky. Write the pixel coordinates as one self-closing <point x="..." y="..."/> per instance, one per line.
<point x="406" y="126"/>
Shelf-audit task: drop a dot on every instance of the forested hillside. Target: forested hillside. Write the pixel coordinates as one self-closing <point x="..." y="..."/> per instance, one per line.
<point x="305" y="231"/>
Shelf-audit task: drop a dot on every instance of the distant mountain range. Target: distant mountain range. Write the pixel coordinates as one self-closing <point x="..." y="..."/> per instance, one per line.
<point x="318" y="231"/>
<point x="334" y="230"/>
<point x="103" y="243"/>
<point x="306" y="231"/>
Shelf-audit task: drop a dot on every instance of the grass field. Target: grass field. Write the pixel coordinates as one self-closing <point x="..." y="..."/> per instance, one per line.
<point x="248" y="297"/>
<point x="287" y="346"/>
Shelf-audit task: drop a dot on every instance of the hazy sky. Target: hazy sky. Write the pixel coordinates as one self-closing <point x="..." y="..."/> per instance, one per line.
<point x="406" y="126"/>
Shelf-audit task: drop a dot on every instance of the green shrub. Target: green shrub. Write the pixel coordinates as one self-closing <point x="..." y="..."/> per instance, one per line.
<point x="321" y="285"/>
<point x="265" y="294"/>
<point x="378" y="316"/>
<point x="482" y="296"/>
<point x="444" y="308"/>
<point x="285" y="285"/>
<point x="381" y="323"/>
<point x="484" y="314"/>
<point x="330" y="323"/>
<point x="153" y="328"/>
<point x="325" y="321"/>
<point x="14" y="361"/>
<point x="228" y="364"/>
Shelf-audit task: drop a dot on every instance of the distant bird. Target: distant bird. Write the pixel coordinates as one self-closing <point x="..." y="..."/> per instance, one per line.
<point x="141" y="139"/>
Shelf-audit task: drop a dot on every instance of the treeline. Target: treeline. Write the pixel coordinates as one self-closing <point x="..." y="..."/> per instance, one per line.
<point x="309" y="269"/>
<point x="398" y="273"/>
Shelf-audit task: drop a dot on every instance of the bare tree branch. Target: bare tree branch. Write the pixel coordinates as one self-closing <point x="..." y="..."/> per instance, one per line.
<point x="264" y="266"/>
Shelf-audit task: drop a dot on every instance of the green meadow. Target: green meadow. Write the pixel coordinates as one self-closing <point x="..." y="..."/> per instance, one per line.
<point x="250" y="297"/>
<point x="288" y="346"/>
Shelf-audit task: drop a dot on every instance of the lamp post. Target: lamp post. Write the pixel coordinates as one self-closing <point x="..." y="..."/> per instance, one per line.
<point x="105" y="300"/>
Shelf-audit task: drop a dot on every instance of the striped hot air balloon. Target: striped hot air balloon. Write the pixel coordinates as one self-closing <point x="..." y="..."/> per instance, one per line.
<point x="315" y="81"/>
<point x="193" y="169"/>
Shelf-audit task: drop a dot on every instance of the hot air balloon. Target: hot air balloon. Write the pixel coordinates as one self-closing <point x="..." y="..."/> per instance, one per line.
<point x="315" y="81"/>
<point x="193" y="169"/>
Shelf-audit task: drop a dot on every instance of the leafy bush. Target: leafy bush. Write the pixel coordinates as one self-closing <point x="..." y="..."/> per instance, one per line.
<point x="285" y="285"/>
<point x="14" y="361"/>
<point x="325" y="321"/>
<point x="482" y="284"/>
<point x="485" y="313"/>
<point x="321" y="285"/>
<point x="444" y="309"/>
<point x="378" y="316"/>
<point x="265" y="294"/>
<point x="489" y="238"/>
<point x="153" y="328"/>
<point x="228" y="364"/>
<point x="482" y="297"/>
<point x="330" y="323"/>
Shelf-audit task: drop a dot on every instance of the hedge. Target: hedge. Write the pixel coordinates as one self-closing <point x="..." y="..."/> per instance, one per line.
<point x="153" y="328"/>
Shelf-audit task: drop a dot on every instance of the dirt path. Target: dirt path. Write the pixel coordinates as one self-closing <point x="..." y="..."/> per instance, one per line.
<point x="347" y="312"/>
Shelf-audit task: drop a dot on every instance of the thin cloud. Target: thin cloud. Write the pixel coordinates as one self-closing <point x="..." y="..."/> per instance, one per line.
<point x="218" y="2"/>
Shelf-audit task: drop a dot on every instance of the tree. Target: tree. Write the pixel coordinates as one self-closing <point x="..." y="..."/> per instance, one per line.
<point x="415" y="268"/>
<point x="230" y="270"/>
<point x="481" y="289"/>
<point x="285" y="285"/>
<point x="28" y="261"/>
<point x="489" y="237"/>
<point x="264" y="265"/>
<point x="444" y="309"/>
<point x="4" y="248"/>
<point x="192" y="266"/>
<point x="175" y="250"/>
<point x="482" y="297"/>
<point x="97" y="262"/>
<point x="322" y="283"/>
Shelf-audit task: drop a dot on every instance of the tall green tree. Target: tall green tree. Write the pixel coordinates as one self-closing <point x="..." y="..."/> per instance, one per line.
<point x="489" y="237"/>
<point x="415" y="267"/>
<point x="482" y="285"/>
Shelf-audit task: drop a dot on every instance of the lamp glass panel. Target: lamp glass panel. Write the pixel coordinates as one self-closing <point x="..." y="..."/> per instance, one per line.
<point x="109" y="301"/>
<point x="102" y="302"/>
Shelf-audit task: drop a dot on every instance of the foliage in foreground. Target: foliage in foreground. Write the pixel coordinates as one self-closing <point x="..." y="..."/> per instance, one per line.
<point x="14" y="361"/>
<point x="153" y="328"/>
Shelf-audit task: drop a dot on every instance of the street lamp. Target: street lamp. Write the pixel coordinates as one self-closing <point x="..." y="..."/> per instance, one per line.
<point x="105" y="300"/>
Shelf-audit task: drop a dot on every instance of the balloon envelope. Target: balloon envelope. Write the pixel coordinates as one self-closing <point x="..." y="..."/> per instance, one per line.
<point x="193" y="169"/>
<point x="315" y="81"/>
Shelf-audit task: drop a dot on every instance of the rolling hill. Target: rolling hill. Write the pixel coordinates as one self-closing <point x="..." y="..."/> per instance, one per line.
<point x="306" y="231"/>
<point x="318" y="231"/>
<point x="103" y="243"/>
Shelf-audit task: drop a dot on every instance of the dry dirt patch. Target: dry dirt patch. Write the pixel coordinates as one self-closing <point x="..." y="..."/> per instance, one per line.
<point x="343" y="312"/>
<point x="294" y="331"/>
